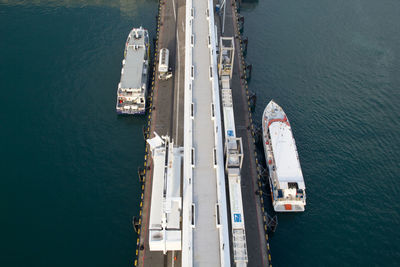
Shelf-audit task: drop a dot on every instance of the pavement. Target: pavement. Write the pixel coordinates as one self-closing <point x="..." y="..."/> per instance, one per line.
<point x="252" y="207"/>
<point x="166" y="116"/>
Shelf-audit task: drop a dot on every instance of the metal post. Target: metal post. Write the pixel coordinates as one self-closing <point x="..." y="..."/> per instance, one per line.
<point x="223" y="19"/>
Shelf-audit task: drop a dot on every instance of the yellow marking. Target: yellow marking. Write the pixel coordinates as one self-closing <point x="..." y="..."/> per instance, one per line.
<point x="141" y="203"/>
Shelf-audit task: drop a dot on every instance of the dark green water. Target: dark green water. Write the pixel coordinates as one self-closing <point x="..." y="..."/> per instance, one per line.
<point x="69" y="183"/>
<point x="68" y="164"/>
<point x="334" y="66"/>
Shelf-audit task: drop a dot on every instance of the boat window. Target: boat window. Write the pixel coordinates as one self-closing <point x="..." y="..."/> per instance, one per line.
<point x="299" y="191"/>
<point x="293" y="186"/>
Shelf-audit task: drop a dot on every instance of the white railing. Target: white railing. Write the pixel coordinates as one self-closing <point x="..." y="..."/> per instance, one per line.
<point x="187" y="226"/>
<point x="221" y="192"/>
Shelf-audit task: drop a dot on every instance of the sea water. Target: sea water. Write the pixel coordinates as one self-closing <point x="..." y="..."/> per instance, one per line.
<point x="69" y="184"/>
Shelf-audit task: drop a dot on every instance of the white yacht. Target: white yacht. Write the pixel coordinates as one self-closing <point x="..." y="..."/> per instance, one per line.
<point x="286" y="181"/>
<point x="132" y="89"/>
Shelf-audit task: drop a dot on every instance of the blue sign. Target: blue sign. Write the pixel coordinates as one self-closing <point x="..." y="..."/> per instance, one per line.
<point x="237" y="217"/>
<point x="230" y="133"/>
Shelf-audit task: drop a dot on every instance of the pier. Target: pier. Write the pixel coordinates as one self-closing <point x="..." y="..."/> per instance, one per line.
<point x="187" y="108"/>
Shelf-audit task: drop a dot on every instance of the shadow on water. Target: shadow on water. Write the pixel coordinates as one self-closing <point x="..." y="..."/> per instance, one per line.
<point x="248" y="5"/>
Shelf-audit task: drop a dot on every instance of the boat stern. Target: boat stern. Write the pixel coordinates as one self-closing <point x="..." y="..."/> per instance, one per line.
<point x="288" y="206"/>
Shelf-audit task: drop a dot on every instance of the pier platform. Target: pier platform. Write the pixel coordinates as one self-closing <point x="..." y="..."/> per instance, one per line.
<point x="255" y="219"/>
<point x="166" y="117"/>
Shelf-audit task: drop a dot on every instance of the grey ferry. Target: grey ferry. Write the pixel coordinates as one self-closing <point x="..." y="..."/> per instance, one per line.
<point x="132" y="89"/>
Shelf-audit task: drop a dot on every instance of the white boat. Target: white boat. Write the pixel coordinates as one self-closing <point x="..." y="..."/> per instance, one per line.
<point x="132" y="89"/>
<point x="286" y="181"/>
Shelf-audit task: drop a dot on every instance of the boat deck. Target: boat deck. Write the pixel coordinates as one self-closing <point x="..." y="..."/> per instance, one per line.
<point x="133" y="76"/>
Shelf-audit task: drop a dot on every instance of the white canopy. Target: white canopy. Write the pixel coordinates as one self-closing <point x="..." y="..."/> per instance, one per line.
<point x="285" y="154"/>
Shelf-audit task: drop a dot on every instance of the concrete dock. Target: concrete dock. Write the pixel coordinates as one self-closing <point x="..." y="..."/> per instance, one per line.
<point x="257" y="238"/>
<point x="165" y="116"/>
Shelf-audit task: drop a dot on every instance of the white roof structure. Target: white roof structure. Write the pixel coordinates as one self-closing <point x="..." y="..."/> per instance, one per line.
<point x="166" y="201"/>
<point x="235" y="196"/>
<point x="229" y="119"/>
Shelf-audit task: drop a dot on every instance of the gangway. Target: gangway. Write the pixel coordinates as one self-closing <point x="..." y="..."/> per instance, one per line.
<point x="233" y="153"/>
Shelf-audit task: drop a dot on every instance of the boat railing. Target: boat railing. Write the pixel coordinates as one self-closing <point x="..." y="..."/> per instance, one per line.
<point x="295" y="198"/>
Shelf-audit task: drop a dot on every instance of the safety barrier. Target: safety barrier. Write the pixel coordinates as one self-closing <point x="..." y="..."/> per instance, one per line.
<point x="188" y="209"/>
<point x="220" y="171"/>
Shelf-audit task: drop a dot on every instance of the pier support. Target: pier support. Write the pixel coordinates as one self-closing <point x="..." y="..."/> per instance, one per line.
<point x="241" y="23"/>
<point x="249" y="68"/>
<point x="141" y="174"/>
<point x="245" y="42"/>
<point x="135" y="224"/>
<point x="272" y="223"/>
